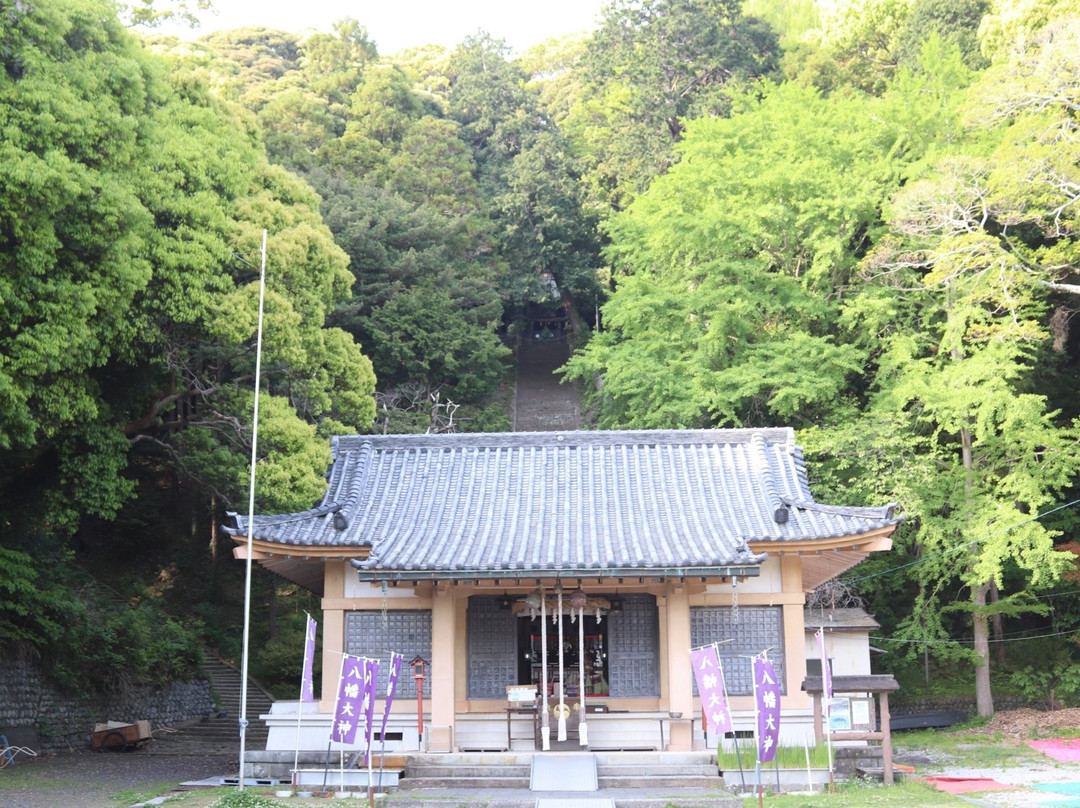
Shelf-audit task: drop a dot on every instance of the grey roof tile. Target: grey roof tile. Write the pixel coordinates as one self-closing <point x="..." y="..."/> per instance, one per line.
<point x="570" y="501"/>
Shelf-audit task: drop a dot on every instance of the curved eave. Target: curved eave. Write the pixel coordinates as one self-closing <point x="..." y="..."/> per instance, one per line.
<point x="824" y="559"/>
<point x="301" y="565"/>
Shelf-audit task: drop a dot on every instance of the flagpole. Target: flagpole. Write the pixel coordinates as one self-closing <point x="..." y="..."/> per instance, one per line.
<point x="333" y="728"/>
<point x="734" y="735"/>
<point x="562" y="671"/>
<point x="251" y="515"/>
<point x="296" y="755"/>
<point x="757" y="739"/>
<point x="826" y="697"/>
<point x="300" y="706"/>
<point x="545" y="722"/>
<point x="583" y="727"/>
<point x="391" y="689"/>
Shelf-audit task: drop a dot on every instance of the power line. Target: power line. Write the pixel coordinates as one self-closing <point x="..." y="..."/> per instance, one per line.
<point x="963" y="546"/>
<point x="971" y="642"/>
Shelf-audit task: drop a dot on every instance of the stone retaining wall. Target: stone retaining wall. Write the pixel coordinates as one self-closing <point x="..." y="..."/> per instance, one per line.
<point x="65" y="721"/>
<point x="918" y="706"/>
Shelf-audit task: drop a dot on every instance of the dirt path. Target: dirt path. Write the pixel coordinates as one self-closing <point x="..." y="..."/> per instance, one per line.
<point x="102" y="779"/>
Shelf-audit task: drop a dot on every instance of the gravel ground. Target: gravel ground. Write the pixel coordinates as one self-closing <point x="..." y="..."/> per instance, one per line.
<point x="98" y="779"/>
<point x="1008" y="729"/>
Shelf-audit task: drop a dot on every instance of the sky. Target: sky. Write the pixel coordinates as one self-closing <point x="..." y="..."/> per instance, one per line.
<point x="398" y="24"/>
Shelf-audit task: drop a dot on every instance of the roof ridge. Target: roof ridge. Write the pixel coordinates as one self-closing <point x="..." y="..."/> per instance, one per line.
<point x="768" y="482"/>
<point x="887" y="511"/>
<point x="600" y="437"/>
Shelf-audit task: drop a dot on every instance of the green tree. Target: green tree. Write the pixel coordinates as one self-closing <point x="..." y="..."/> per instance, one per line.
<point x="958" y="359"/>
<point x="653" y="65"/>
<point x="730" y="267"/>
<point x="128" y="320"/>
<point x="960" y="294"/>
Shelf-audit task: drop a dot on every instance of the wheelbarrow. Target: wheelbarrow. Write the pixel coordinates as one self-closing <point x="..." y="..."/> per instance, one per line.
<point x="116" y="736"/>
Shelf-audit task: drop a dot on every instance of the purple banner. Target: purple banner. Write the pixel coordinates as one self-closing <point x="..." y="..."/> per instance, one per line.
<point x="767" y="701"/>
<point x="307" y="686"/>
<point x="391" y="688"/>
<point x="353" y="700"/>
<point x="710" y="684"/>
<point x="371" y="680"/>
<point x="826" y="671"/>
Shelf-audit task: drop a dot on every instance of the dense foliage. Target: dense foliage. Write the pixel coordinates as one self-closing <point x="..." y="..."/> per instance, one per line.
<point x="859" y="219"/>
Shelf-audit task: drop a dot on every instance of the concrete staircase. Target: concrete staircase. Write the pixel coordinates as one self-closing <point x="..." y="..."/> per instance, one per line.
<point x="614" y="770"/>
<point x="219" y="732"/>
<point x="541" y="402"/>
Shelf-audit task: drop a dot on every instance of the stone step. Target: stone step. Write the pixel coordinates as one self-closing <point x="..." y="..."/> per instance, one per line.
<point x="655" y="769"/>
<point x="446" y="772"/>
<point x="528" y="799"/>
<point x="604" y="771"/>
<point x="418" y="783"/>
<point x="660" y="781"/>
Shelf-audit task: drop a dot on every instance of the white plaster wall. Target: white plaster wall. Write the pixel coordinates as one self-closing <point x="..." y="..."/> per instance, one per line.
<point x="849" y="651"/>
<point x="354" y="588"/>
<point x="769" y="581"/>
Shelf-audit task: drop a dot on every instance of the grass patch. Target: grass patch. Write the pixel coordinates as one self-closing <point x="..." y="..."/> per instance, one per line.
<point x="132" y="796"/>
<point x="860" y="793"/>
<point x="788" y="757"/>
<point x="967" y="749"/>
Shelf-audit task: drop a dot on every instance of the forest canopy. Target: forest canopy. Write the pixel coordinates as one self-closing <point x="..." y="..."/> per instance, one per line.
<point x="859" y="220"/>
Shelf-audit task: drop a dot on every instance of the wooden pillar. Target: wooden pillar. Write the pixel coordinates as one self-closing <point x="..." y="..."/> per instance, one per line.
<point x="819" y="724"/>
<point x="443" y="668"/>
<point x="886" y="737"/>
<point x="333" y="632"/>
<point x="680" y="671"/>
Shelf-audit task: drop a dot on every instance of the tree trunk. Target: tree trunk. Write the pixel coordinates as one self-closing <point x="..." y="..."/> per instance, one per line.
<point x="271" y="612"/>
<point x="984" y="700"/>
<point x="998" y="625"/>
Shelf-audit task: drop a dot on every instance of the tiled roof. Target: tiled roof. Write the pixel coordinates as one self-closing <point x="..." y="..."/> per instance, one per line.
<point x="844" y="619"/>
<point x="614" y="502"/>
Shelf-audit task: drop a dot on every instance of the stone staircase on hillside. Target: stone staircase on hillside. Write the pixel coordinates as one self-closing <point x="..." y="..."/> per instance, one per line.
<point x="541" y="402"/>
<point x="219" y="732"/>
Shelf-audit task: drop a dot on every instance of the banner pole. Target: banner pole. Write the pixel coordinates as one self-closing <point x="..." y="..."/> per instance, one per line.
<point x="826" y="698"/>
<point x="545" y="721"/>
<point x="731" y="722"/>
<point x="300" y="706"/>
<point x="757" y="742"/>
<point x="583" y="729"/>
<point x="296" y="755"/>
<point x="562" y="670"/>
<point x="326" y="767"/>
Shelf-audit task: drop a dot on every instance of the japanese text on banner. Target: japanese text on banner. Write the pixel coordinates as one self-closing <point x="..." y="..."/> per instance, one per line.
<point x="391" y="689"/>
<point x="710" y="684"/>
<point x="353" y="700"/>
<point x="826" y="671"/>
<point x="767" y="696"/>
<point x="371" y="679"/>
<point x="307" y="687"/>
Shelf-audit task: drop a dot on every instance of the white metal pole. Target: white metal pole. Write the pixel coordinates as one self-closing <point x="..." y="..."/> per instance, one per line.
<point x="251" y="514"/>
<point x="583" y="727"/>
<point x="545" y="722"/>
<point x="562" y="672"/>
